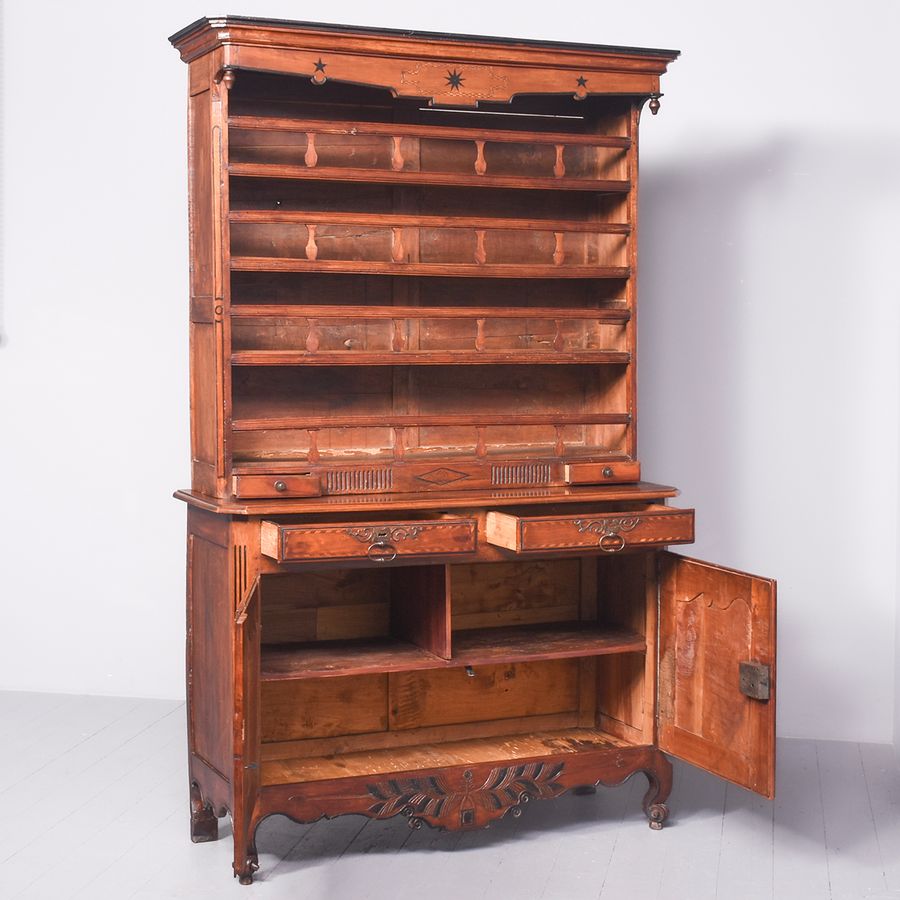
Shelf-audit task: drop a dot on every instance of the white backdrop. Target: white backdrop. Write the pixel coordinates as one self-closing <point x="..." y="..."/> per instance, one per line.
<point x="770" y="383"/>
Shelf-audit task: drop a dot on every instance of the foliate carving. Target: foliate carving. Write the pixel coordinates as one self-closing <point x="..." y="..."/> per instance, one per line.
<point x="383" y="533"/>
<point x="438" y="801"/>
<point x="607" y="526"/>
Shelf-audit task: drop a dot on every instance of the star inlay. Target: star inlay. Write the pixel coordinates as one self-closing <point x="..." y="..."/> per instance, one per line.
<point x="581" y="81"/>
<point x="320" y="66"/>
<point x="454" y="79"/>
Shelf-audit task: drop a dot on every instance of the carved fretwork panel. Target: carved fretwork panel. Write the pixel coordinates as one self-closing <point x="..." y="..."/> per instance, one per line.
<point x="471" y="796"/>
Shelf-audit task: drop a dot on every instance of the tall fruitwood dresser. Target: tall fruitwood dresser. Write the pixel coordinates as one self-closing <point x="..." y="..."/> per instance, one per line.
<point x="424" y="576"/>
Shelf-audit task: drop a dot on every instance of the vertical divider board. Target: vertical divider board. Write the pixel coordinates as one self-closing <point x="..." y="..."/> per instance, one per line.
<point x="420" y="607"/>
<point x="587" y="668"/>
<point x="406" y="200"/>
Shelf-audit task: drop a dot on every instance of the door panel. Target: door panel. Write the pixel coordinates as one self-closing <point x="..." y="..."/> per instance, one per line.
<point x="711" y="620"/>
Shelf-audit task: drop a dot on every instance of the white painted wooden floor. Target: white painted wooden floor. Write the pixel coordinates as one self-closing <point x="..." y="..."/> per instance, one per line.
<point x="93" y="804"/>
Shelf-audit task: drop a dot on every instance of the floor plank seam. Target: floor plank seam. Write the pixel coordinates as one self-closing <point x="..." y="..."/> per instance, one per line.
<point x="721" y="839"/>
<point x="824" y="826"/>
<point x="865" y="774"/>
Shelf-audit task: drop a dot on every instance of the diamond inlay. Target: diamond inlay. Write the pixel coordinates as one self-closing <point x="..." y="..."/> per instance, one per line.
<point x="442" y="476"/>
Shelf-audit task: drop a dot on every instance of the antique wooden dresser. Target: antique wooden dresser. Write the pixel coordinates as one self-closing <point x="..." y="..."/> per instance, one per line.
<point x="424" y="576"/>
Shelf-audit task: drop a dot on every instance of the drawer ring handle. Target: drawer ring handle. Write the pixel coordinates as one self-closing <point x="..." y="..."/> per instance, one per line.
<point x="381" y="552"/>
<point x="611" y="543"/>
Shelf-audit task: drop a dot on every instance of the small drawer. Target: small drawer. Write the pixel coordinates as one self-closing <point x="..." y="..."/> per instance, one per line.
<point x="608" y="531"/>
<point x="602" y="472"/>
<point x="375" y="541"/>
<point x="250" y="486"/>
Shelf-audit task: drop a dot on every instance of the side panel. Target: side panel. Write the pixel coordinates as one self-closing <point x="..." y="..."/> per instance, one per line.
<point x="205" y="137"/>
<point x="711" y="620"/>
<point x="209" y="621"/>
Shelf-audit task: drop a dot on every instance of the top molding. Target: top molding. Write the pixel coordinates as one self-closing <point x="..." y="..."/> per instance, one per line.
<point x="497" y="68"/>
<point x="181" y="39"/>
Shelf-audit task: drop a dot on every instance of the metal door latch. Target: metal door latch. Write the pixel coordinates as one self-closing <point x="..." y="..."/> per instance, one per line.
<point x="755" y="680"/>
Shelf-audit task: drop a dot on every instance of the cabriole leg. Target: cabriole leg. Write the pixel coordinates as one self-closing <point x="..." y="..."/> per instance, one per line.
<point x="659" y="776"/>
<point x="246" y="857"/>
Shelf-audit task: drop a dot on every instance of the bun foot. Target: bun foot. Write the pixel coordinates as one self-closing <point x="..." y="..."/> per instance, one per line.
<point x="244" y="872"/>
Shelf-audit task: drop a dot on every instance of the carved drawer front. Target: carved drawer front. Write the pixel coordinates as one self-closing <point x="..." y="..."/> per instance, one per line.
<point x="375" y="541"/>
<point x="248" y="486"/>
<point x="606" y="531"/>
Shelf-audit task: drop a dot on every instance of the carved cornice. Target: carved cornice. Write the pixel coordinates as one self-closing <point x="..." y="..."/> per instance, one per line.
<point x="448" y="69"/>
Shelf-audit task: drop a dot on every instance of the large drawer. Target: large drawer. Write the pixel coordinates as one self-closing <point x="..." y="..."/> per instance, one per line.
<point x="376" y="541"/>
<point x="606" y="531"/>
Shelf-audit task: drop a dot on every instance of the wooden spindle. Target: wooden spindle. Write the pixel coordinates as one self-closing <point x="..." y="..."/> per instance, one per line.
<point x="480" y="254"/>
<point x="480" y="161"/>
<point x="397" y="341"/>
<point x="559" y="167"/>
<point x="311" y="157"/>
<point x="399" y="442"/>
<point x="312" y="248"/>
<point x="480" y="446"/>
<point x="479" y="334"/>
<point x="312" y="336"/>
<point x="397" y="155"/>
<point x="397" y="251"/>
<point x="312" y="455"/>
<point x="559" y="253"/>
<point x="558" y="340"/>
<point x="560" y="448"/>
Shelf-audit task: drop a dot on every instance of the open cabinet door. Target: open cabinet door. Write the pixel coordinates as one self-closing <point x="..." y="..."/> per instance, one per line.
<point x="717" y="670"/>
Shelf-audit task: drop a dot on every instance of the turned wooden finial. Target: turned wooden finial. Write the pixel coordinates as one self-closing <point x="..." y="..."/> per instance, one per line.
<point x="226" y="76"/>
<point x="654" y="103"/>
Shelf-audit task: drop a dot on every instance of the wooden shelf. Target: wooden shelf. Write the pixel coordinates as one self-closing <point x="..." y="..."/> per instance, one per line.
<point x="482" y="646"/>
<point x="393" y="220"/>
<point x="453" y="179"/>
<point x="431" y="358"/>
<point x="335" y="658"/>
<point x="415" y="421"/>
<point x="452" y="753"/>
<point x="286" y="310"/>
<point x="465" y="270"/>
<point x="440" y="132"/>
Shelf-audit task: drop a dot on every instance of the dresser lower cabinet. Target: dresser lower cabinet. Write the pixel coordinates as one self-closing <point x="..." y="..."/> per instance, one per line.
<point x="454" y="666"/>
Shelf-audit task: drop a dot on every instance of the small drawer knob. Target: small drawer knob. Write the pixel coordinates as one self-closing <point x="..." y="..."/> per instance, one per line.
<point x="607" y="472"/>
<point x="280" y="486"/>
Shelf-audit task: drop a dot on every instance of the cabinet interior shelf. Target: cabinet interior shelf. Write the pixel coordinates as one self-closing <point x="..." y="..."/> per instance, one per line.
<point x="473" y="647"/>
<point x="286" y="310"/>
<point x="416" y="421"/>
<point x="428" y="358"/>
<point x="453" y="179"/>
<point x="465" y="270"/>
<point x="503" y="748"/>
<point x="441" y="132"/>
<point x="394" y="220"/>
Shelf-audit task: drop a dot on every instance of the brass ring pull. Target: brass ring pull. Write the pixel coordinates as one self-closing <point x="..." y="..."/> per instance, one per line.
<point x="612" y="543"/>
<point x="381" y="552"/>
